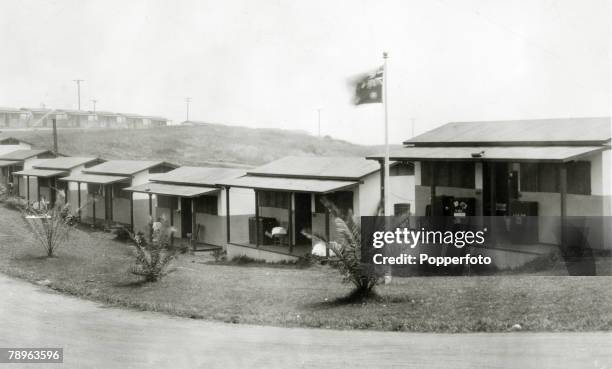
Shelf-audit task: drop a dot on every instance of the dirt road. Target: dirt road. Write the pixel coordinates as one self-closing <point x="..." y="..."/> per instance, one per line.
<point x="95" y="336"/>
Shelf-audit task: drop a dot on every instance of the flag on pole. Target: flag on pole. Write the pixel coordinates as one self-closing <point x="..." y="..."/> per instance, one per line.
<point x="368" y="88"/>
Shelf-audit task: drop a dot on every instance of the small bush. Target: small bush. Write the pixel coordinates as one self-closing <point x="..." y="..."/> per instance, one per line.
<point x="122" y="234"/>
<point x="154" y="257"/>
<point x="51" y="227"/>
<point x="16" y="203"/>
<point x="219" y="255"/>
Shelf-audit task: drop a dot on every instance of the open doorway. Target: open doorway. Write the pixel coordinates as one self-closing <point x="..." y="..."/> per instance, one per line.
<point x="303" y="217"/>
<point x="185" y="216"/>
<point x="500" y="188"/>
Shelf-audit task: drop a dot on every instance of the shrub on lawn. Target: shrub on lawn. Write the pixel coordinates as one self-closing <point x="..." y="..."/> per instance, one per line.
<point x="345" y="254"/>
<point x="50" y="226"/>
<point x="154" y="257"/>
<point x="15" y="203"/>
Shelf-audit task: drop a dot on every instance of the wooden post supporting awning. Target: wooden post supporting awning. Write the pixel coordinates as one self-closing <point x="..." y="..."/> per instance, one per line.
<point x="257" y="218"/>
<point x="151" y="218"/>
<point x="78" y="198"/>
<point x="194" y="236"/>
<point x="290" y="230"/>
<point x="132" y="211"/>
<point x="563" y="203"/>
<point x="227" y="213"/>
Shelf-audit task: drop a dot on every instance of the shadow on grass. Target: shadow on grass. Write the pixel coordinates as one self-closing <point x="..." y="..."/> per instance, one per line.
<point x="29" y="257"/>
<point x="356" y="297"/>
<point x="132" y="284"/>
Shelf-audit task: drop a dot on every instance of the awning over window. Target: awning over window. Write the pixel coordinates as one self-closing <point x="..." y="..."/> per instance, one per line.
<point x="93" y="178"/>
<point x="289" y="184"/>
<point x="172" y="190"/>
<point x="42" y="173"/>
<point x="8" y="163"/>
<point x="493" y="153"/>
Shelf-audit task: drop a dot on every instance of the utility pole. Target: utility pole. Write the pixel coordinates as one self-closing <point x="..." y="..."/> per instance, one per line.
<point x="78" y="82"/>
<point x="187" y="101"/>
<point x="319" y="114"/>
<point x="94" y="105"/>
<point x="54" y="136"/>
<point x="412" y="123"/>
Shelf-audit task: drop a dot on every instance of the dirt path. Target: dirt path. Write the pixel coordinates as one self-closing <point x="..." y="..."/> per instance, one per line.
<point x="94" y="336"/>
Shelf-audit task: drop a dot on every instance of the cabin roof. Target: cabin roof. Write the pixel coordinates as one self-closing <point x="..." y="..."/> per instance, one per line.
<point x="171" y="189"/>
<point x="42" y="173"/>
<point x="320" y="186"/>
<point x="65" y="163"/>
<point x="318" y="167"/>
<point x="493" y="153"/>
<point x="568" y="131"/>
<point x="93" y="178"/>
<point x="23" y="154"/>
<point x="124" y="167"/>
<point x="202" y="176"/>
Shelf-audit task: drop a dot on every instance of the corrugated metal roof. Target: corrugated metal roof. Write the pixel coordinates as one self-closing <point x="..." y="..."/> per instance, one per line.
<point x="93" y="178"/>
<point x="564" y="131"/>
<point x="22" y="154"/>
<point x="65" y="163"/>
<point x="516" y="153"/>
<point x="123" y="167"/>
<point x="44" y="173"/>
<point x="344" y="168"/>
<point x="171" y="190"/>
<point x="290" y="184"/>
<point x="198" y="175"/>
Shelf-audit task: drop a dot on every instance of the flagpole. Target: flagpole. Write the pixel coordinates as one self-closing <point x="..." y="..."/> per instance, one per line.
<point x="387" y="208"/>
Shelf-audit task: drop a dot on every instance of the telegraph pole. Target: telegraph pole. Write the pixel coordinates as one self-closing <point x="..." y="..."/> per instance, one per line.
<point x="187" y="101"/>
<point x="319" y="114"/>
<point x="78" y="82"/>
<point x="94" y="105"/>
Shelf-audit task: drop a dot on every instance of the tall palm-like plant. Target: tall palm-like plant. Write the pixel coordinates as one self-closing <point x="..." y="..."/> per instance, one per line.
<point x="50" y="225"/>
<point x="346" y="253"/>
<point x="153" y="258"/>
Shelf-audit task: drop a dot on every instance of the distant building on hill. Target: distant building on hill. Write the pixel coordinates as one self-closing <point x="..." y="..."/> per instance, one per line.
<point x="68" y="118"/>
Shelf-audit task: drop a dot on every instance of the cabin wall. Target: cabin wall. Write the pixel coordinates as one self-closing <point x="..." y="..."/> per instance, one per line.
<point x="367" y="196"/>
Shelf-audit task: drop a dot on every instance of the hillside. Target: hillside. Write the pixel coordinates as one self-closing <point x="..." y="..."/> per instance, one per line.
<point x="209" y="144"/>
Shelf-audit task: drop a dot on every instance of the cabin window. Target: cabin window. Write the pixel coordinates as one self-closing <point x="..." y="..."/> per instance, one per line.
<point x="167" y="202"/>
<point x="401" y="169"/>
<point x="342" y="199"/>
<point x="206" y="205"/>
<point x="118" y="191"/>
<point x="579" y="178"/>
<point x="273" y="199"/>
<point x="544" y="177"/>
<point x="449" y="174"/>
<point x="94" y="189"/>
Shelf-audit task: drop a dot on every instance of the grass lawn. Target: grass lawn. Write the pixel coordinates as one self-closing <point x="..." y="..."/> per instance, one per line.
<point x="94" y="266"/>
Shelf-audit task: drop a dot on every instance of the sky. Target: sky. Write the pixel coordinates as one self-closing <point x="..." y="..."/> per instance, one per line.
<point x="272" y="63"/>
